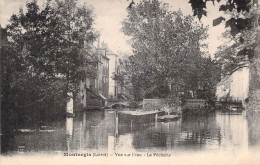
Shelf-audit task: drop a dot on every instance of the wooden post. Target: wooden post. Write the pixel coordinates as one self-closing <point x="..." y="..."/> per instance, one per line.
<point x="116" y="139"/>
<point x="116" y="120"/>
<point x="131" y="125"/>
<point x="69" y="131"/>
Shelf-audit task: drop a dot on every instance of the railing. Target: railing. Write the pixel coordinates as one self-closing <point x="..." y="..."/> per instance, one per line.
<point x="195" y="103"/>
<point x="153" y="104"/>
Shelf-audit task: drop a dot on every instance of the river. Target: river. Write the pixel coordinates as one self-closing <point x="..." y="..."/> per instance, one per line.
<point x="96" y="131"/>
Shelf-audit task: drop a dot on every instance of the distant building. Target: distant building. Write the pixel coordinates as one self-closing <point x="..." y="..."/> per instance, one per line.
<point x="103" y="72"/>
<point x="234" y="87"/>
<point x="113" y="69"/>
<point x="94" y="90"/>
<point x="124" y="88"/>
<point x="3" y="37"/>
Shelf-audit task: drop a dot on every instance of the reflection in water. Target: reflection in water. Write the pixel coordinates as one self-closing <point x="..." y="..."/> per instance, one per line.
<point x="254" y="132"/>
<point x="69" y="131"/>
<point x="100" y="131"/>
<point x="188" y="134"/>
<point x="90" y="131"/>
<point x="69" y="126"/>
<point x="39" y="141"/>
<point x="234" y="132"/>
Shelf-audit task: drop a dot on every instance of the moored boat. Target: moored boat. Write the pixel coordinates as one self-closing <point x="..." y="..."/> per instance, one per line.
<point x="46" y="129"/>
<point x="232" y="109"/>
<point x="168" y="118"/>
<point x="138" y="116"/>
<point x="68" y="114"/>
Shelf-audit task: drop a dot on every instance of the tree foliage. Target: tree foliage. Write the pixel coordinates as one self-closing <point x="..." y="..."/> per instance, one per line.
<point x="243" y="29"/>
<point x="167" y="48"/>
<point x="244" y="19"/>
<point x="46" y="57"/>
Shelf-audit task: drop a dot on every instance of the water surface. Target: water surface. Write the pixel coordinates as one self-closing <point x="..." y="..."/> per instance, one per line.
<point x="97" y="131"/>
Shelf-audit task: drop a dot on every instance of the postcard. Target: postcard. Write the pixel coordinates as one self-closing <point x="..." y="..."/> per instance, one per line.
<point x="156" y="82"/>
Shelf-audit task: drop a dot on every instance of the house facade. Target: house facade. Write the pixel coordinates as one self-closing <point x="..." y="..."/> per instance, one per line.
<point x="94" y="90"/>
<point x="3" y="37"/>
<point x="116" y="88"/>
<point x="234" y="87"/>
<point x="113" y="69"/>
<point x="103" y="72"/>
<point x="124" y="88"/>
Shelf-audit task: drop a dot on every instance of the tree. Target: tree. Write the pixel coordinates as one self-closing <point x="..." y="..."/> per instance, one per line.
<point x="72" y="26"/>
<point x="243" y="29"/>
<point x="164" y="43"/>
<point x="46" y="57"/>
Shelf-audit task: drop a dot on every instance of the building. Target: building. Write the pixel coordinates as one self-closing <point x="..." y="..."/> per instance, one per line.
<point x="94" y="90"/>
<point x="113" y="69"/>
<point x="234" y="87"/>
<point x="3" y="42"/>
<point x="3" y="37"/>
<point x="103" y="72"/>
<point x="124" y="88"/>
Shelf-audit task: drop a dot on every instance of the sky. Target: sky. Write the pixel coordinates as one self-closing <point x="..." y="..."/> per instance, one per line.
<point x="110" y="13"/>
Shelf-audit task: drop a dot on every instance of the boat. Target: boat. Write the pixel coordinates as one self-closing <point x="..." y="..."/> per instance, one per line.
<point x="119" y="106"/>
<point x="138" y="116"/>
<point x="26" y="130"/>
<point x="168" y="118"/>
<point x="68" y="114"/>
<point x="232" y="109"/>
<point x="21" y="149"/>
<point x="235" y="108"/>
<point x="46" y="129"/>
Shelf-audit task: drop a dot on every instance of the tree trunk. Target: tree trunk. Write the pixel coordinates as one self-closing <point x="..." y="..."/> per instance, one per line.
<point x="254" y="81"/>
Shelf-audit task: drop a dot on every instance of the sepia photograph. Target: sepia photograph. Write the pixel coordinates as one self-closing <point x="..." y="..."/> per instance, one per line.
<point x="130" y="82"/>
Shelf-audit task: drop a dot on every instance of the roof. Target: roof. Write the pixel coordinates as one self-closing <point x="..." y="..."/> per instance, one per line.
<point x="108" y="51"/>
<point x="224" y="81"/>
<point x="102" y="97"/>
<point x="105" y="57"/>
